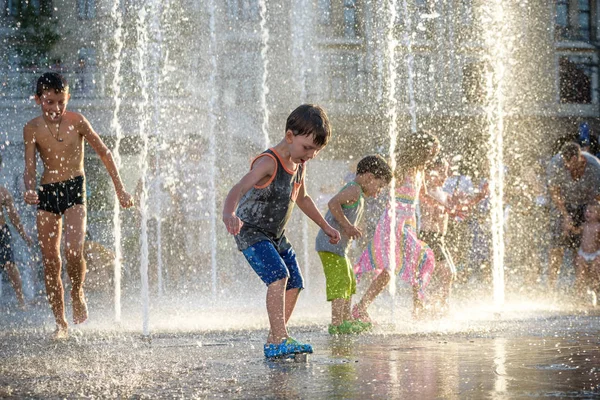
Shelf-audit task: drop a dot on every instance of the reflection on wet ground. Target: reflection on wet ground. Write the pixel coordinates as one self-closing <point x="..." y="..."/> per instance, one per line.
<point x="551" y="354"/>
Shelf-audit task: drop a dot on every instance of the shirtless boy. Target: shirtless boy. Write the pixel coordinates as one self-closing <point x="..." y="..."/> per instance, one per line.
<point x="58" y="136"/>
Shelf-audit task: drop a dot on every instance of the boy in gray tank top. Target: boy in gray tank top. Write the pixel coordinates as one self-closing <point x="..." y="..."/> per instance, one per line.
<point x="345" y="211"/>
<point x="256" y="212"/>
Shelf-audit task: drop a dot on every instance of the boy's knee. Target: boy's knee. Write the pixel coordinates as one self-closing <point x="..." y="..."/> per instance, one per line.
<point x="10" y="267"/>
<point x="296" y="281"/>
<point x="74" y="255"/>
<point x="278" y="282"/>
<point x="385" y="275"/>
<point x="52" y="261"/>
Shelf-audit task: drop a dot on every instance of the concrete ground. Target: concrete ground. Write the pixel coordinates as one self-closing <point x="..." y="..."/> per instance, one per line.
<point x="526" y="351"/>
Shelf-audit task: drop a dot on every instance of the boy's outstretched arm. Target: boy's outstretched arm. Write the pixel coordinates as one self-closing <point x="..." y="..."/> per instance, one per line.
<point x="14" y="216"/>
<point x="348" y="195"/>
<point x="308" y="207"/>
<point x="29" y="177"/>
<point x="262" y="169"/>
<point x="100" y="148"/>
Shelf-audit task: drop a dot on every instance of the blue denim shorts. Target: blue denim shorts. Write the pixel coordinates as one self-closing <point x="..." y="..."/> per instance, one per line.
<point x="272" y="266"/>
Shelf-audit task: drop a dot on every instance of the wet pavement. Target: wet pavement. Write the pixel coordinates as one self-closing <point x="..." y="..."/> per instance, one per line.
<point x="522" y="353"/>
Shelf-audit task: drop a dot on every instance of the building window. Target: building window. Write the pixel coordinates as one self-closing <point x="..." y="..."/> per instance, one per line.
<point x="350" y="19"/>
<point x="339" y="19"/>
<point x="325" y="12"/>
<point x="424" y="79"/>
<point x="86" y="58"/>
<point x="12" y="7"/>
<point x="421" y="13"/>
<point x="40" y="7"/>
<point x="243" y="10"/>
<point x="345" y="75"/>
<point x="584" y="19"/>
<point x="473" y="83"/>
<point x="83" y="81"/>
<point x="466" y="12"/>
<point x="574" y="20"/>
<point x="578" y="79"/>
<point x="86" y="9"/>
<point x="562" y="17"/>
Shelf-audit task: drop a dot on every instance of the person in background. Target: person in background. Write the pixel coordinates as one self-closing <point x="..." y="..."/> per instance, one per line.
<point x="7" y="262"/>
<point x="573" y="183"/>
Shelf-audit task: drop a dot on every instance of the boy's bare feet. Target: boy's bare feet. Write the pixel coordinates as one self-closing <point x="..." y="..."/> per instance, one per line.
<point x="80" y="311"/>
<point x="61" y="333"/>
<point x="419" y="311"/>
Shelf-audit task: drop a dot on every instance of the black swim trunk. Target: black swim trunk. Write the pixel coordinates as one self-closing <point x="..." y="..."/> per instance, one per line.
<point x="6" y="253"/>
<point x="58" y="197"/>
<point x="436" y="242"/>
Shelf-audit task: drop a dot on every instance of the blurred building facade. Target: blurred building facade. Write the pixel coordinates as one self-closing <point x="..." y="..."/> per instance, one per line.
<point x="332" y="52"/>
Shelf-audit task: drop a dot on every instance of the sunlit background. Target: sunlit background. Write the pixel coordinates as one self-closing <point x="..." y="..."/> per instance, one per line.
<point x="187" y="92"/>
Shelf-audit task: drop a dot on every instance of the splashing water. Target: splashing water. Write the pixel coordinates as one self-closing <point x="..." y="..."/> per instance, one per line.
<point x="142" y="52"/>
<point x="409" y="59"/>
<point x="309" y="58"/>
<point x="155" y="60"/>
<point x="303" y="15"/>
<point x="392" y="114"/>
<point x="264" y="53"/>
<point x="496" y="43"/>
<point x="185" y="317"/>
<point x="212" y="144"/>
<point x="116" y="127"/>
<point x="159" y="261"/>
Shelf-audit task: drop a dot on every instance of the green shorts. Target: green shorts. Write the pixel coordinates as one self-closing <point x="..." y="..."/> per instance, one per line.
<point x="339" y="276"/>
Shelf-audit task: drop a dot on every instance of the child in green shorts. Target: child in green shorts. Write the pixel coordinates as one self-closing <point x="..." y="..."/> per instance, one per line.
<point x="345" y="210"/>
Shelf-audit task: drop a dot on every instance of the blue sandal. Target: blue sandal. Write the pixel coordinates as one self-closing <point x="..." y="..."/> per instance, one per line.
<point x="287" y="347"/>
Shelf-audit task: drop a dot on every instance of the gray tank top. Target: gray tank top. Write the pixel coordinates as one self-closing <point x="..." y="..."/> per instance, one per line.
<point x="353" y="212"/>
<point x="266" y="210"/>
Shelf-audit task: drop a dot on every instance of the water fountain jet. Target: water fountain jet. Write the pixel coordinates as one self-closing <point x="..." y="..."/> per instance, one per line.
<point x="143" y="125"/>
<point x="116" y="127"/>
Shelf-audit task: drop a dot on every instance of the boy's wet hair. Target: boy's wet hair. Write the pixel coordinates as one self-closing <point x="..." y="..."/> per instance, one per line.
<point x="569" y="150"/>
<point x="310" y="119"/>
<point x="51" y="81"/>
<point x="376" y="165"/>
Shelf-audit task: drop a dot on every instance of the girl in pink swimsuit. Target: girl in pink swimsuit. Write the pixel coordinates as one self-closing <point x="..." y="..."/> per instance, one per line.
<point x="414" y="259"/>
